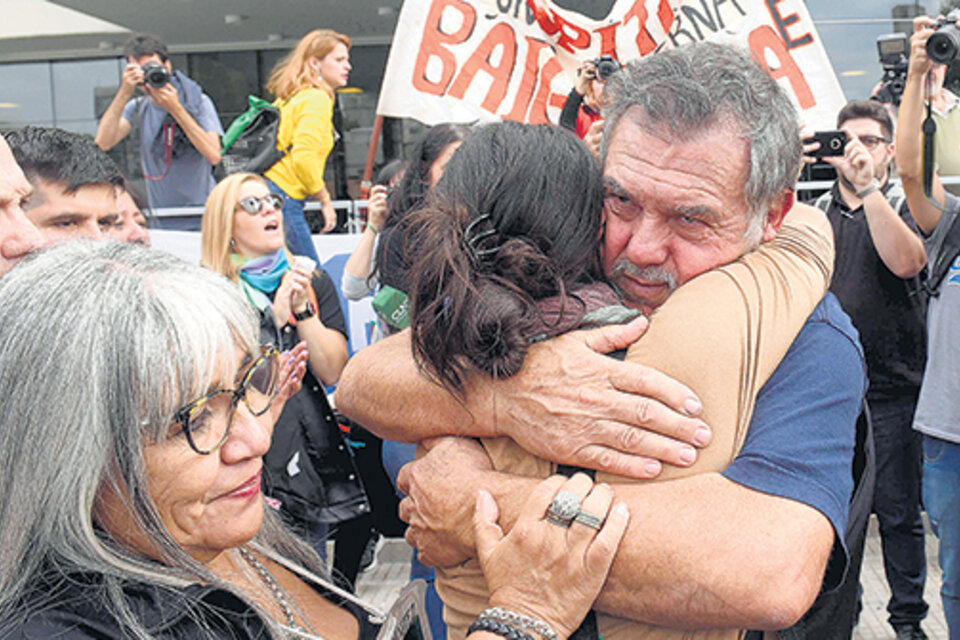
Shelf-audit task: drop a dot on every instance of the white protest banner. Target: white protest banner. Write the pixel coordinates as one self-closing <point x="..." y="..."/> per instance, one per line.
<point x="470" y="60"/>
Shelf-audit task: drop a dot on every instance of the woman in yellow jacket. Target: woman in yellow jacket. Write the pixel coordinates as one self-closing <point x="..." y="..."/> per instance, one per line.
<point x="303" y="83"/>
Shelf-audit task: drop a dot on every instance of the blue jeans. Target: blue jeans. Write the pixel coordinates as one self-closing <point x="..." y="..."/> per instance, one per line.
<point x="395" y="455"/>
<point x="896" y="501"/>
<point x="296" y="229"/>
<point x="941" y="497"/>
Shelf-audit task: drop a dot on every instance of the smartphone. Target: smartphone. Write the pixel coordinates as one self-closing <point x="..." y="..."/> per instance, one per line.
<point x="832" y="143"/>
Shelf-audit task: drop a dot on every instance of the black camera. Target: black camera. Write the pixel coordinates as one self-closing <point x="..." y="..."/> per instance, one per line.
<point x="155" y="74"/>
<point x="606" y="66"/>
<point x="894" y="51"/>
<point x="832" y="143"/>
<point x="943" y="46"/>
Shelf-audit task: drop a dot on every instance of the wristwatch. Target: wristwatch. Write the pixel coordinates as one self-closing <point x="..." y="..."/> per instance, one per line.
<point x="309" y="312"/>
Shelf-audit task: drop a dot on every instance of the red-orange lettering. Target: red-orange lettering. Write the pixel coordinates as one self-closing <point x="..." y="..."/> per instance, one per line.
<point x="608" y="39"/>
<point x="764" y="40"/>
<point x="572" y="37"/>
<point x="528" y="82"/>
<point x="502" y="36"/>
<point x="545" y="96"/>
<point x="432" y="46"/>
<point x="645" y="42"/>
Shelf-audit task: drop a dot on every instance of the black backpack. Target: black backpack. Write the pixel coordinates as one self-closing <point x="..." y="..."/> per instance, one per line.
<point x="250" y="142"/>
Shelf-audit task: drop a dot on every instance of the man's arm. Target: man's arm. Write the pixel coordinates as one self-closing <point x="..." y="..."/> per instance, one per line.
<point x="909" y="133"/>
<point x="699" y="552"/>
<point x="897" y="244"/>
<point x="113" y="127"/>
<point x="568" y="403"/>
<point x="206" y="142"/>
<point x="746" y="549"/>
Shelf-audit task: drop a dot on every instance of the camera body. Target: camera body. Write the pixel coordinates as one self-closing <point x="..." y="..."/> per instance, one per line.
<point x="943" y="46"/>
<point x="606" y="66"/>
<point x="894" y="52"/>
<point x="832" y="143"/>
<point x="155" y="74"/>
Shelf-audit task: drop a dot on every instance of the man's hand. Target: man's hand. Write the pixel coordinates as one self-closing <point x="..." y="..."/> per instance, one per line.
<point x="166" y="97"/>
<point x="920" y="63"/>
<point x="131" y="78"/>
<point x="586" y="74"/>
<point x="440" y="512"/>
<point x="856" y="163"/>
<point x="573" y="405"/>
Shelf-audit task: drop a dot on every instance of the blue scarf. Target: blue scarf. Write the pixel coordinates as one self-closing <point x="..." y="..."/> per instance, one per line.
<point x="261" y="276"/>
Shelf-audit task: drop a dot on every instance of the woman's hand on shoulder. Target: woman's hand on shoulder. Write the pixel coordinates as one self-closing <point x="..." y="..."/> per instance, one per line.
<point x="544" y="569"/>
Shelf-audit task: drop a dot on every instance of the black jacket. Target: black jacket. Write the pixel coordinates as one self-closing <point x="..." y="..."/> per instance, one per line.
<point x="309" y="467"/>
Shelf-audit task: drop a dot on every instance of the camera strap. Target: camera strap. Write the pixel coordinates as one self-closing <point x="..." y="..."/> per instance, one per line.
<point x="927" y="165"/>
<point x="169" y="132"/>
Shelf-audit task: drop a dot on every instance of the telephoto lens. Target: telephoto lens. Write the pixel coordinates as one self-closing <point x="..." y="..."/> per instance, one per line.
<point x="943" y="46"/>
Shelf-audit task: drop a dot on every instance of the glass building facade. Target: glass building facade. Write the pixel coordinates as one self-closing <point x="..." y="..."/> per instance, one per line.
<point x="73" y="93"/>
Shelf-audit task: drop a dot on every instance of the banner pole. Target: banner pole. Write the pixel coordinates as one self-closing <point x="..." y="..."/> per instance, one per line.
<point x="371" y="157"/>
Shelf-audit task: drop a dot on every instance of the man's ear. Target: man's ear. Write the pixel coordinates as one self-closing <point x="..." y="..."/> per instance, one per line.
<point x="776" y="213"/>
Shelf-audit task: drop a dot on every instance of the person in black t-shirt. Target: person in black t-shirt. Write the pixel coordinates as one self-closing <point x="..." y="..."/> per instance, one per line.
<point x="879" y="256"/>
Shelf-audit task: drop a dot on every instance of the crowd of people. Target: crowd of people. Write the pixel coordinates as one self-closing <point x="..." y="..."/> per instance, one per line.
<point x="626" y="385"/>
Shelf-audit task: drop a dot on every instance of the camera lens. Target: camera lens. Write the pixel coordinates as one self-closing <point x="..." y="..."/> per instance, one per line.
<point x="944" y="44"/>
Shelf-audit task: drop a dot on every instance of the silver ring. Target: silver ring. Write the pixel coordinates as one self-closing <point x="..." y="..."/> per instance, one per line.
<point x="564" y="507"/>
<point x="552" y="519"/>
<point x="592" y="521"/>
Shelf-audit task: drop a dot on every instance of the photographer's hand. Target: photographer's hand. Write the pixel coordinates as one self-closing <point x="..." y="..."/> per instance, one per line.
<point x="131" y="78"/>
<point x="586" y="74"/>
<point x="856" y="164"/>
<point x="920" y="63"/>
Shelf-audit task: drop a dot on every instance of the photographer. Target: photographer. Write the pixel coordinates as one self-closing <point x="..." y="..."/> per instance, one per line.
<point x="938" y="407"/>
<point x="582" y="108"/>
<point x="879" y="255"/>
<point x="179" y="127"/>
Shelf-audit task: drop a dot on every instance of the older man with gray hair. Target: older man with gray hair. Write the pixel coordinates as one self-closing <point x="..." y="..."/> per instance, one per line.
<point x="18" y="236"/>
<point x="700" y="156"/>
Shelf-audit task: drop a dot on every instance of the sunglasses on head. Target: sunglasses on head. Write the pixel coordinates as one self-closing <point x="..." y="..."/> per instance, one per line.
<point x="254" y="205"/>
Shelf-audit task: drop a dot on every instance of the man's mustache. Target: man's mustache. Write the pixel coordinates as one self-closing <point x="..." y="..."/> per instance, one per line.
<point x="650" y="274"/>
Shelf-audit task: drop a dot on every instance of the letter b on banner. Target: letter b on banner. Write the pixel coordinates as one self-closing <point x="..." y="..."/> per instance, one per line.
<point x="432" y="45"/>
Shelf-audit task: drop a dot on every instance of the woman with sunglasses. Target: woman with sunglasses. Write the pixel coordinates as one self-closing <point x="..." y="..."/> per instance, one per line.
<point x="310" y="468"/>
<point x="132" y="437"/>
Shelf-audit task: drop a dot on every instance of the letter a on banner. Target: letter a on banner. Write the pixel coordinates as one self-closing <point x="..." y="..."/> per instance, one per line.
<point x="477" y="60"/>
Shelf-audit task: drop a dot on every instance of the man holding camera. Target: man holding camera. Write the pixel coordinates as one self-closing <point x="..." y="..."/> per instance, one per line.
<point x="879" y="256"/>
<point x="179" y="127"/>
<point x="938" y="407"/>
<point x="582" y="109"/>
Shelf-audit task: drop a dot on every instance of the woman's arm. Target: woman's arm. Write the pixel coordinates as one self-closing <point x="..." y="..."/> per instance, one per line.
<point x="312" y="140"/>
<point x="725" y="332"/>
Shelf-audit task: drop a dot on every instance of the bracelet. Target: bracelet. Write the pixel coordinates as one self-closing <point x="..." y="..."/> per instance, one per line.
<point x="370" y="226"/>
<point x="502" y="629"/>
<point x="520" y="620"/>
<point x="874" y="186"/>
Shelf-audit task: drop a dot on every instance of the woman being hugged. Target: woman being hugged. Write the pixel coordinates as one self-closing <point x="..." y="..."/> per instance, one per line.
<point x="242" y="238"/>
<point x="303" y="83"/>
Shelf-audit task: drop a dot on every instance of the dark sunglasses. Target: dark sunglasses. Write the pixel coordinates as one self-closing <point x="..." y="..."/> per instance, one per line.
<point x="254" y="205"/>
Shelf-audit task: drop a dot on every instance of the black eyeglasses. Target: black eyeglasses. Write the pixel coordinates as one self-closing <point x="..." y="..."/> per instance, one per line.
<point x="254" y="205"/>
<point x="207" y="422"/>
<point x="871" y="142"/>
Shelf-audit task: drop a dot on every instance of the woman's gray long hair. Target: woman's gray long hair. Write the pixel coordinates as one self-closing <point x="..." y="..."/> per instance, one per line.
<point x="100" y="343"/>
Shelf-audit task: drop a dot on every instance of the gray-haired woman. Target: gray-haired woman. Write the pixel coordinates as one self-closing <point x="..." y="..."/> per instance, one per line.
<point x="135" y="407"/>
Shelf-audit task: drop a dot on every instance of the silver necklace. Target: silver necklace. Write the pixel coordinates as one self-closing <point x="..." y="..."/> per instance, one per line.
<point x="283" y="599"/>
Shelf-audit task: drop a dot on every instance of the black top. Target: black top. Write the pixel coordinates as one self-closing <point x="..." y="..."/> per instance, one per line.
<point x="70" y="608"/>
<point x="886" y="310"/>
<point x="309" y="468"/>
